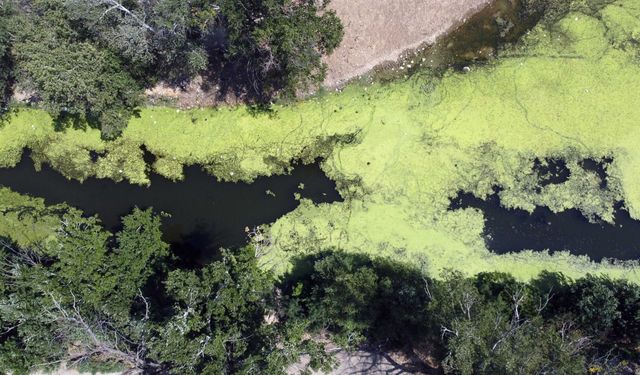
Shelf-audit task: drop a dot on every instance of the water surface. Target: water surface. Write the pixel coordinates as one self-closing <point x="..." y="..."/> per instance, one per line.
<point x="204" y="214"/>
<point x="512" y="230"/>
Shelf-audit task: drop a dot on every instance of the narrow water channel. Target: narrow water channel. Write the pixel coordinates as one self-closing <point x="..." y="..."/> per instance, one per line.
<point x="204" y="214"/>
<point x="513" y="230"/>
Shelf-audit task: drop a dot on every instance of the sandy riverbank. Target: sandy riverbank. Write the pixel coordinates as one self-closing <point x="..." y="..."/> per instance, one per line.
<point x="377" y="31"/>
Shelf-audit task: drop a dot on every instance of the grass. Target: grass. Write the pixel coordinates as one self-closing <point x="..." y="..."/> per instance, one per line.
<point x="400" y="151"/>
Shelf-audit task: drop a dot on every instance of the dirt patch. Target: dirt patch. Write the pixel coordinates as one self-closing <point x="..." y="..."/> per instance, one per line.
<point x="377" y="31"/>
<point x="371" y="363"/>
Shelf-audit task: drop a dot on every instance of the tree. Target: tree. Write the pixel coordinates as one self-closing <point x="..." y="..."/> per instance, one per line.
<point x="280" y="41"/>
<point x="491" y="331"/>
<point x="595" y="304"/>
<point x="77" y="81"/>
<point x="6" y="58"/>
<point x="73" y="300"/>
<point x="218" y="316"/>
<point x="140" y="254"/>
<point x="627" y="328"/>
<point x="160" y="39"/>
<point x="360" y="299"/>
<point x="90" y="298"/>
<point x="88" y="61"/>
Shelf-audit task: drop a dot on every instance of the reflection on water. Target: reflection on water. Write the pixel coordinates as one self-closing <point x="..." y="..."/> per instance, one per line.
<point x="204" y="214"/>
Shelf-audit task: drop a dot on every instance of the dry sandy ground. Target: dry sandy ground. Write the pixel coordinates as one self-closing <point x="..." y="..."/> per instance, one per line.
<point x="74" y="372"/>
<point x="377" y="31"/>
<point x="357" y="363"/>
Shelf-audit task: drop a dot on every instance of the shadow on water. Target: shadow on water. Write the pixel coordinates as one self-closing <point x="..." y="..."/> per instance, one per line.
<point x="204" y="214"/>
<point x="481" y="36"/>
<point x="512" y="230"/>
<point x="477" y="40"/>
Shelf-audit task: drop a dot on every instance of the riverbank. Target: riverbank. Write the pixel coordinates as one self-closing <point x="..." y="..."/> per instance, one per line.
<point x="379" y="31"/>
<point x="376" y="32"/>
<point x="399" y="152"/>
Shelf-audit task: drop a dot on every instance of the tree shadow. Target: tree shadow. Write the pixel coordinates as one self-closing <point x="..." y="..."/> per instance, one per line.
<point x="196" y="249"/>
<point x="375" y="361"/>
<point x="236" y="77"/>
<point x="393" y="311"/>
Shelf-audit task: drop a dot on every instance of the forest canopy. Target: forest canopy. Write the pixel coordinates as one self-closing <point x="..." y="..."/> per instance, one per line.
<point x="89" y="61"/>
<point x="102" y="301"/>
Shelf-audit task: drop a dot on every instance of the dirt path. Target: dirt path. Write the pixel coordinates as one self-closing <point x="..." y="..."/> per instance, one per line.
<point x="377" y="31"/>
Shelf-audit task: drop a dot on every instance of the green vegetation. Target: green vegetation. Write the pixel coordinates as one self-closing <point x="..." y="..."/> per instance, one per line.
<point x="95" y="300"/>
<point x="399" y="152"/>
<point x="72" y="292"/>
<point x="282" y="40"/>
<point x="88" y="62"/>
<point x="90" y="298"/>
<point x="6" y="61"/>
<point x="488" y="324"/>
<point x="76" y="81"/>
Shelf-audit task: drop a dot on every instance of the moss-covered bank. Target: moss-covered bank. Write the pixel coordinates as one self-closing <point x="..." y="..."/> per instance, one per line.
<point x="401" y="151"/>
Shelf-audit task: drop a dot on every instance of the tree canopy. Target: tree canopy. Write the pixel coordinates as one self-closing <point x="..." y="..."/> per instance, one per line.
<point x="88" y="61"/>
<point x="101" y="301"/>
<point x="75" y="79"/>
<point x="6" y="60"/>
<point x="94" y="299"/>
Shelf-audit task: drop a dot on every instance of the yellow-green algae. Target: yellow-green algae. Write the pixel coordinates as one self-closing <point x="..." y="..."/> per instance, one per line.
<point x="401" y="151"/>
<point x="571" y="93"/>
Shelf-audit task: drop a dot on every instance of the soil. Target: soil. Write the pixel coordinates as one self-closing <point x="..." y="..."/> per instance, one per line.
<point x="372" y="362"/>
<point x="378" y="31"/>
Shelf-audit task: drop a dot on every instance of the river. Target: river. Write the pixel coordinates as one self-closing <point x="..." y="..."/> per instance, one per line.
<point x="203" y="214"/>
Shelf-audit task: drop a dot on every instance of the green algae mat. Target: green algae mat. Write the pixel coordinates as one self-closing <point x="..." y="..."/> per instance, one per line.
<point x="401" y="151"/>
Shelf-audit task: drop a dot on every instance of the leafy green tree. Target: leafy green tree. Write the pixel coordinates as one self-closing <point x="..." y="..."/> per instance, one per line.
<point x="161" y="39"/>
<point x="359" y="299"/>
<point x="140" y="254"/>
<point x="66" y="301"/>
<point x="493" y="344"/>
<point x="77" y="81"/>
<point x="218" y="318"/>
<point x="6" y="58"/>
<point x="89" y="298"/>
<point x="281" y="41"/>
<point x="627" y="328"/>
<point x="88" y="61"/>
<point x="488" y="329"/>
<point x="595" y="304"/>
<point x="341" y="293"/>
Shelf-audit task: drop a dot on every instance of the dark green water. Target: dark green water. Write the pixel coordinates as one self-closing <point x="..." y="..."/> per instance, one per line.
<point x="476" y="41"/>
<point x="204" y="214"/>
<point x="512" y="230"/>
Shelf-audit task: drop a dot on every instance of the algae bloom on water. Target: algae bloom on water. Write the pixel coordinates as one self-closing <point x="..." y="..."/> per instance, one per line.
<point x="400" y="152"/>
<point x="567" y="91"/>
